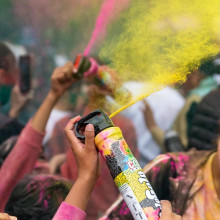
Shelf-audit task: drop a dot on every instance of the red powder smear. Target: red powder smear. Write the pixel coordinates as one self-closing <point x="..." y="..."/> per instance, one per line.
<point x="151" y="213"/>
<point x="109" y="11"/>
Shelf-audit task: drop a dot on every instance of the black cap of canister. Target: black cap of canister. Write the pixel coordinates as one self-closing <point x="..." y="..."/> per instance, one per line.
<point x="98" y="118"/>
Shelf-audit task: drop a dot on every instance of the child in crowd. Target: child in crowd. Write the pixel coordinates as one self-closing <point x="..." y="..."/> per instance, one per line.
<point x="199" y="83"/>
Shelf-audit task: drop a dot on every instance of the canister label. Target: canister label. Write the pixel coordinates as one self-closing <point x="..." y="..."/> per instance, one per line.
<point x="128" y="175"/>
<point x="132" y="202"/>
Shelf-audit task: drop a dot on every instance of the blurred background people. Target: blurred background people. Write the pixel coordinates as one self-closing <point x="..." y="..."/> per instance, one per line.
<point x="164" y="110"/>
<point x="190" y="180"/>
<point x="38" y="163"/>
<point x="8" y="73"/>
<point x="200" y="83"/>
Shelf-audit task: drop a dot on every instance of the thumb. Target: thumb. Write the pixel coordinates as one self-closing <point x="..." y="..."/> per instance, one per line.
<point x="89" y="136"/>
<point x="166" y="208"/>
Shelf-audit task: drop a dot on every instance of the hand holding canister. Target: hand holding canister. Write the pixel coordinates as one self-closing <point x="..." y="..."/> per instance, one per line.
<point x="102" y="76"/>
<point x="124" y="168"/>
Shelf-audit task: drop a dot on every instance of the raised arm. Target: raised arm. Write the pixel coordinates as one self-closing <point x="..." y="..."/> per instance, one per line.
<point x="24" y="155"/>
<point x="157" y="133"/>
<point x="87" y="159"/>
<point x="61" y="80"/>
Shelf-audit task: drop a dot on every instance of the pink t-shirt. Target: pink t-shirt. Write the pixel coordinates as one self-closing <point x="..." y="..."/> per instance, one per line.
<point x="69" y="212"/>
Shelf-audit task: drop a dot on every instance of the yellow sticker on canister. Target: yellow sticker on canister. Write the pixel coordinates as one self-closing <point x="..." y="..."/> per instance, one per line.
<point x="131" y="178"/>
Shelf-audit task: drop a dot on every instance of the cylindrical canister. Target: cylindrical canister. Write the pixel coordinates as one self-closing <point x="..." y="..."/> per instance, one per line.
<point x="102" y="76"/>
<point x="128" y="175"/>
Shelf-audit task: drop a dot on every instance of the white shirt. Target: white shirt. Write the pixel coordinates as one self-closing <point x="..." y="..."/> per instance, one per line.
<point x="165" y="105"/>
<point x="55" y="116"/>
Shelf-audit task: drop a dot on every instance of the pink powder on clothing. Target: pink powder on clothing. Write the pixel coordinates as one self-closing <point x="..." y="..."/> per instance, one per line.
<point x="165" y="161"/>
<point x="183" y="159"/>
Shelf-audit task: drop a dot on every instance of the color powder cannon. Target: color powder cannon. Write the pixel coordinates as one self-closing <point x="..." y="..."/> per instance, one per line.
<point x="102" y="76"/>
<point x="124" y="168"/>
<point x="87" y="67"/>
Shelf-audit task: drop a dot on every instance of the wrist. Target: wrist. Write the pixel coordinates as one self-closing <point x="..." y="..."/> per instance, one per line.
<point x="80" y="193"/>
<point x="53" y="96"/>
<point x="13" y="113"/>
<point x="87" y="183"/>
<point x="87" y="178"/>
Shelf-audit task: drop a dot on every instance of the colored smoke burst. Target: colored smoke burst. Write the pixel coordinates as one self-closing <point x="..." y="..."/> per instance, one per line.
<point x="160" y="42"/>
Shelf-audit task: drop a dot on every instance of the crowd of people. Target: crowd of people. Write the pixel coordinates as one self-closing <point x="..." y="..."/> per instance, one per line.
<point x="47" y="173"/>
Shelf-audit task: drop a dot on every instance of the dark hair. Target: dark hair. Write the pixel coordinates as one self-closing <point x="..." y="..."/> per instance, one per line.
<point x="37" y="197"/>
<point x="208" y="67"/>
<point x="4" y="53"/>
<point x="6" y="147"/>
<point x="204" y="129"/>
<point x="11" y="128"/>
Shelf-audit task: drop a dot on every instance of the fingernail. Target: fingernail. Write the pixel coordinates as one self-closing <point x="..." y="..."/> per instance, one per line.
<point x="89" y="127"/>
<point x="13" y="218"/>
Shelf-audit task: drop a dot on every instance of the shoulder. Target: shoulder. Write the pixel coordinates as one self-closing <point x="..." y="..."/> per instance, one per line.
<point x="159" y="160"/>
<point x="177" y="162"/>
